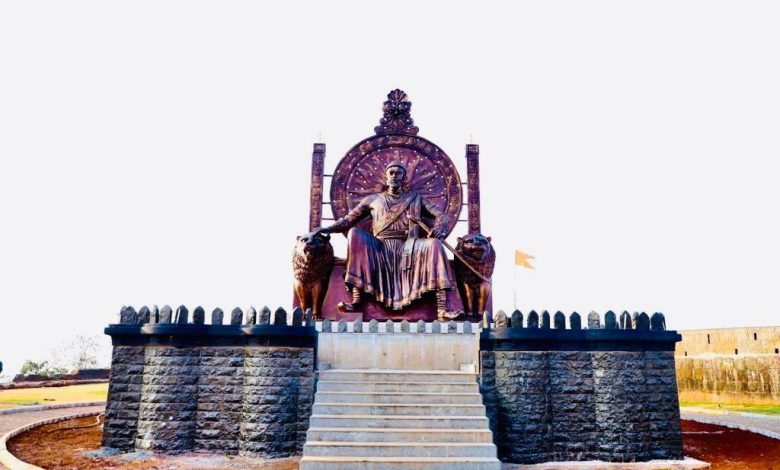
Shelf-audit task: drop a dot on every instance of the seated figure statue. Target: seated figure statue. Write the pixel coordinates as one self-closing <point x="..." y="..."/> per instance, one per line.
<point x="395" y="264"/>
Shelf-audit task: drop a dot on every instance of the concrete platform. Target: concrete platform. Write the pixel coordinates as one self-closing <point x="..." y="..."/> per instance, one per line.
<point x="405" y="351"/>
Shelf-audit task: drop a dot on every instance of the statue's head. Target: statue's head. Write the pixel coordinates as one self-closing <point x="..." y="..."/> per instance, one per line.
<point x="395" y="175"/>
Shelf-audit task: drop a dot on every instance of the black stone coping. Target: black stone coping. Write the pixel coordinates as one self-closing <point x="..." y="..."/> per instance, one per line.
<point x="515" y="339"/>
<point x="189" y="335"/>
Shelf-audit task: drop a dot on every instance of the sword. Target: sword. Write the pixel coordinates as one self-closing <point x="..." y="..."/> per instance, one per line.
<point x="449" y="247"/>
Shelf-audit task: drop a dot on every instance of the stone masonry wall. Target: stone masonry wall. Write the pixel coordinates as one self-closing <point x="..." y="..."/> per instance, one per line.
<point x="574" y="395"/>
<point x="169" y="399"/>
<point x="729" y="365"/>
<point x="278" y="391"/>
<point x="220" y="397"/>
<point x="240" y="388"/>
<point x="124" y="397"/>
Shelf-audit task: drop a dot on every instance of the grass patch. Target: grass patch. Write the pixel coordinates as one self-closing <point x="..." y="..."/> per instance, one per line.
<point x="746" y="408"/>
<point x="52" y="395"/>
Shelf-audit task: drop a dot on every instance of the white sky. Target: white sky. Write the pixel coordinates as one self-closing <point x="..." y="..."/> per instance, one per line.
<point x="159" y="152"/>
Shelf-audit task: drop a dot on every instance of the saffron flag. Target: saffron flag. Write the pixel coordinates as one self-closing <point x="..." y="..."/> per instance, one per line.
<point x="522" y="259"/>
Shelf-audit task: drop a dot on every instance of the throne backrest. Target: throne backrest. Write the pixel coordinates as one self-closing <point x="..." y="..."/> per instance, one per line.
<point x="430" y="171"/>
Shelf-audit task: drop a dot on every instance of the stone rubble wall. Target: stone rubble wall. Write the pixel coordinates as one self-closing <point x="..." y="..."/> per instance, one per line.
<point x="729" y="365"/>
<point x="244" y="388"/>
<point x="604" y="393"/>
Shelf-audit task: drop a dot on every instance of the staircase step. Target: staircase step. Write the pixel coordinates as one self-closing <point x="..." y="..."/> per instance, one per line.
<point x="398" y="463"/>
<point x="390" y="375"/>
<point x="400" y="449"/>
<point x="399" y="397"/>
<point x="418" y="387"/>
<point x="406" y="435"/>
<point x="427" y="409"/>
<point x="391" y="421"/>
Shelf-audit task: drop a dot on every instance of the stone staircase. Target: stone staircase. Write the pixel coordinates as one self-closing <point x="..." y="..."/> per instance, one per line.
<point x="398" y="419"/>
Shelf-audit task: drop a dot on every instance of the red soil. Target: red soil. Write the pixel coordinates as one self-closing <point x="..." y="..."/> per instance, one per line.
<point x="730" y="449"/>
<point x="54" y="447"/>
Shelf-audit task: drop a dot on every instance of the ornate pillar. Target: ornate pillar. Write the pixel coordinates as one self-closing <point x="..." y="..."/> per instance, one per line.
<point x="317" y="172"/>
<point x="472" y="171"/>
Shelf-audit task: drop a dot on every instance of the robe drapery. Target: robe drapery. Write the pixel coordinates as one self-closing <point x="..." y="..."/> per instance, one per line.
<point x="393" y="263"/>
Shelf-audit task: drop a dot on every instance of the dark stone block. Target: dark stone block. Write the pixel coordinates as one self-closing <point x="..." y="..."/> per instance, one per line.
<point x="545" y="320"/>
<point x="265" y="316"/>
<point x="182" y="315"/>
<point x="280" y="317"/>
<point x="533" y="320"/>
<point x="297" y="317"/>
<point x="237" y="317"/>
<point x="575" y="321"/>
<point x="658" y="322"/>
<point x="217" y="316"/>
<point x="559" y="321"/>
<point x="166" y="314"/>
<point x="144" y="315"/>
<point x="199" y="316"/>
<point x="642" y="321"/>
<point x="610" y="320"/>
<point x="626" y="323"/>
<point x="516" y="320"/>
<point x="128" y="315"/>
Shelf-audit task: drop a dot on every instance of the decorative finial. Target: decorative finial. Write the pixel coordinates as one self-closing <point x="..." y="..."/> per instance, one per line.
<point x="396" y="118"/>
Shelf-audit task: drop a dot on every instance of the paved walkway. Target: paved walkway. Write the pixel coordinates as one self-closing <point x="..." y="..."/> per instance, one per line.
<point x="768" y="425"/>
<point x="9" y="422"/>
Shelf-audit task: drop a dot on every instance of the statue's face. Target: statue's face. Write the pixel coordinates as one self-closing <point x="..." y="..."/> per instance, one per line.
<point x="395" y="177"/>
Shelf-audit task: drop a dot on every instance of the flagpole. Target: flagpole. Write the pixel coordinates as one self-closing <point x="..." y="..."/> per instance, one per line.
<point x="515" y="290"/>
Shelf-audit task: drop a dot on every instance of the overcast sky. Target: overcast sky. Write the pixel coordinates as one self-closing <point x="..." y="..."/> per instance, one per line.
<point x="159" y="152"/>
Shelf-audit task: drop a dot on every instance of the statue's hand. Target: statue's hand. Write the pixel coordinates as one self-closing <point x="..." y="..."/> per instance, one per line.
<point x="436" y="233"/>
<point x="321" y="232"/>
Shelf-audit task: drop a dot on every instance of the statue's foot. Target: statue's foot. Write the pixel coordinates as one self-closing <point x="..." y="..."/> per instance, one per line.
<point x="348" y="307"/>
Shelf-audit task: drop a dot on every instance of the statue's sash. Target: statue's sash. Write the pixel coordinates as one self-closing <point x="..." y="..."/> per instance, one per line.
<point x="393" y="214"/>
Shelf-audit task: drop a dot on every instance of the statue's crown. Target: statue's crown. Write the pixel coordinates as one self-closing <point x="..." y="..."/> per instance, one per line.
<point x="397" y="163"/>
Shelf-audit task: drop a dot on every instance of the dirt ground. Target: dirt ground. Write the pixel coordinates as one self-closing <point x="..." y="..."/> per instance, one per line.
<point x="730" y="449"/>
<point x="57" y="447"/>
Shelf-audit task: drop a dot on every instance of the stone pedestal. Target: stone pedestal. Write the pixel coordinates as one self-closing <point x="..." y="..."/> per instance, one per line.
<point x="229" y="389"/>
<point x="574" y="395"/>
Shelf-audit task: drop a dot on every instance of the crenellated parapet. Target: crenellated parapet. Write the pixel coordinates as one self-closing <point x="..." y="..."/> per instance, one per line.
<point x="593" y="321"/>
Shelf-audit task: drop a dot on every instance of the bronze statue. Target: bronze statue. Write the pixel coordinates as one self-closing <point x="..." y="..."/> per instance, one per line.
<point x="312" y="264"/>
<point x="394" y="263"/>
<point x="474" y="262"/>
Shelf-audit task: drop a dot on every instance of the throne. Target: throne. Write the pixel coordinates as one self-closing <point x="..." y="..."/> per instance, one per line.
<point x="361" y="172"/>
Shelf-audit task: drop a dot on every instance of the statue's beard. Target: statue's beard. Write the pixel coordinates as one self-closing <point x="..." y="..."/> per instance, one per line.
<point x="394" y="188"/>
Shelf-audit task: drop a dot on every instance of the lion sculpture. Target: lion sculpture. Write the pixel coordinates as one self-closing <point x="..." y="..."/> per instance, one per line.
<point x="312" y="264"/>
<point x="474" y="291"/>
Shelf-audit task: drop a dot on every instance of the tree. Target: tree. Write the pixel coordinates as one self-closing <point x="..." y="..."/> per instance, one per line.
<point x="41" y="368"/>
<point x="79" y="353"/>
